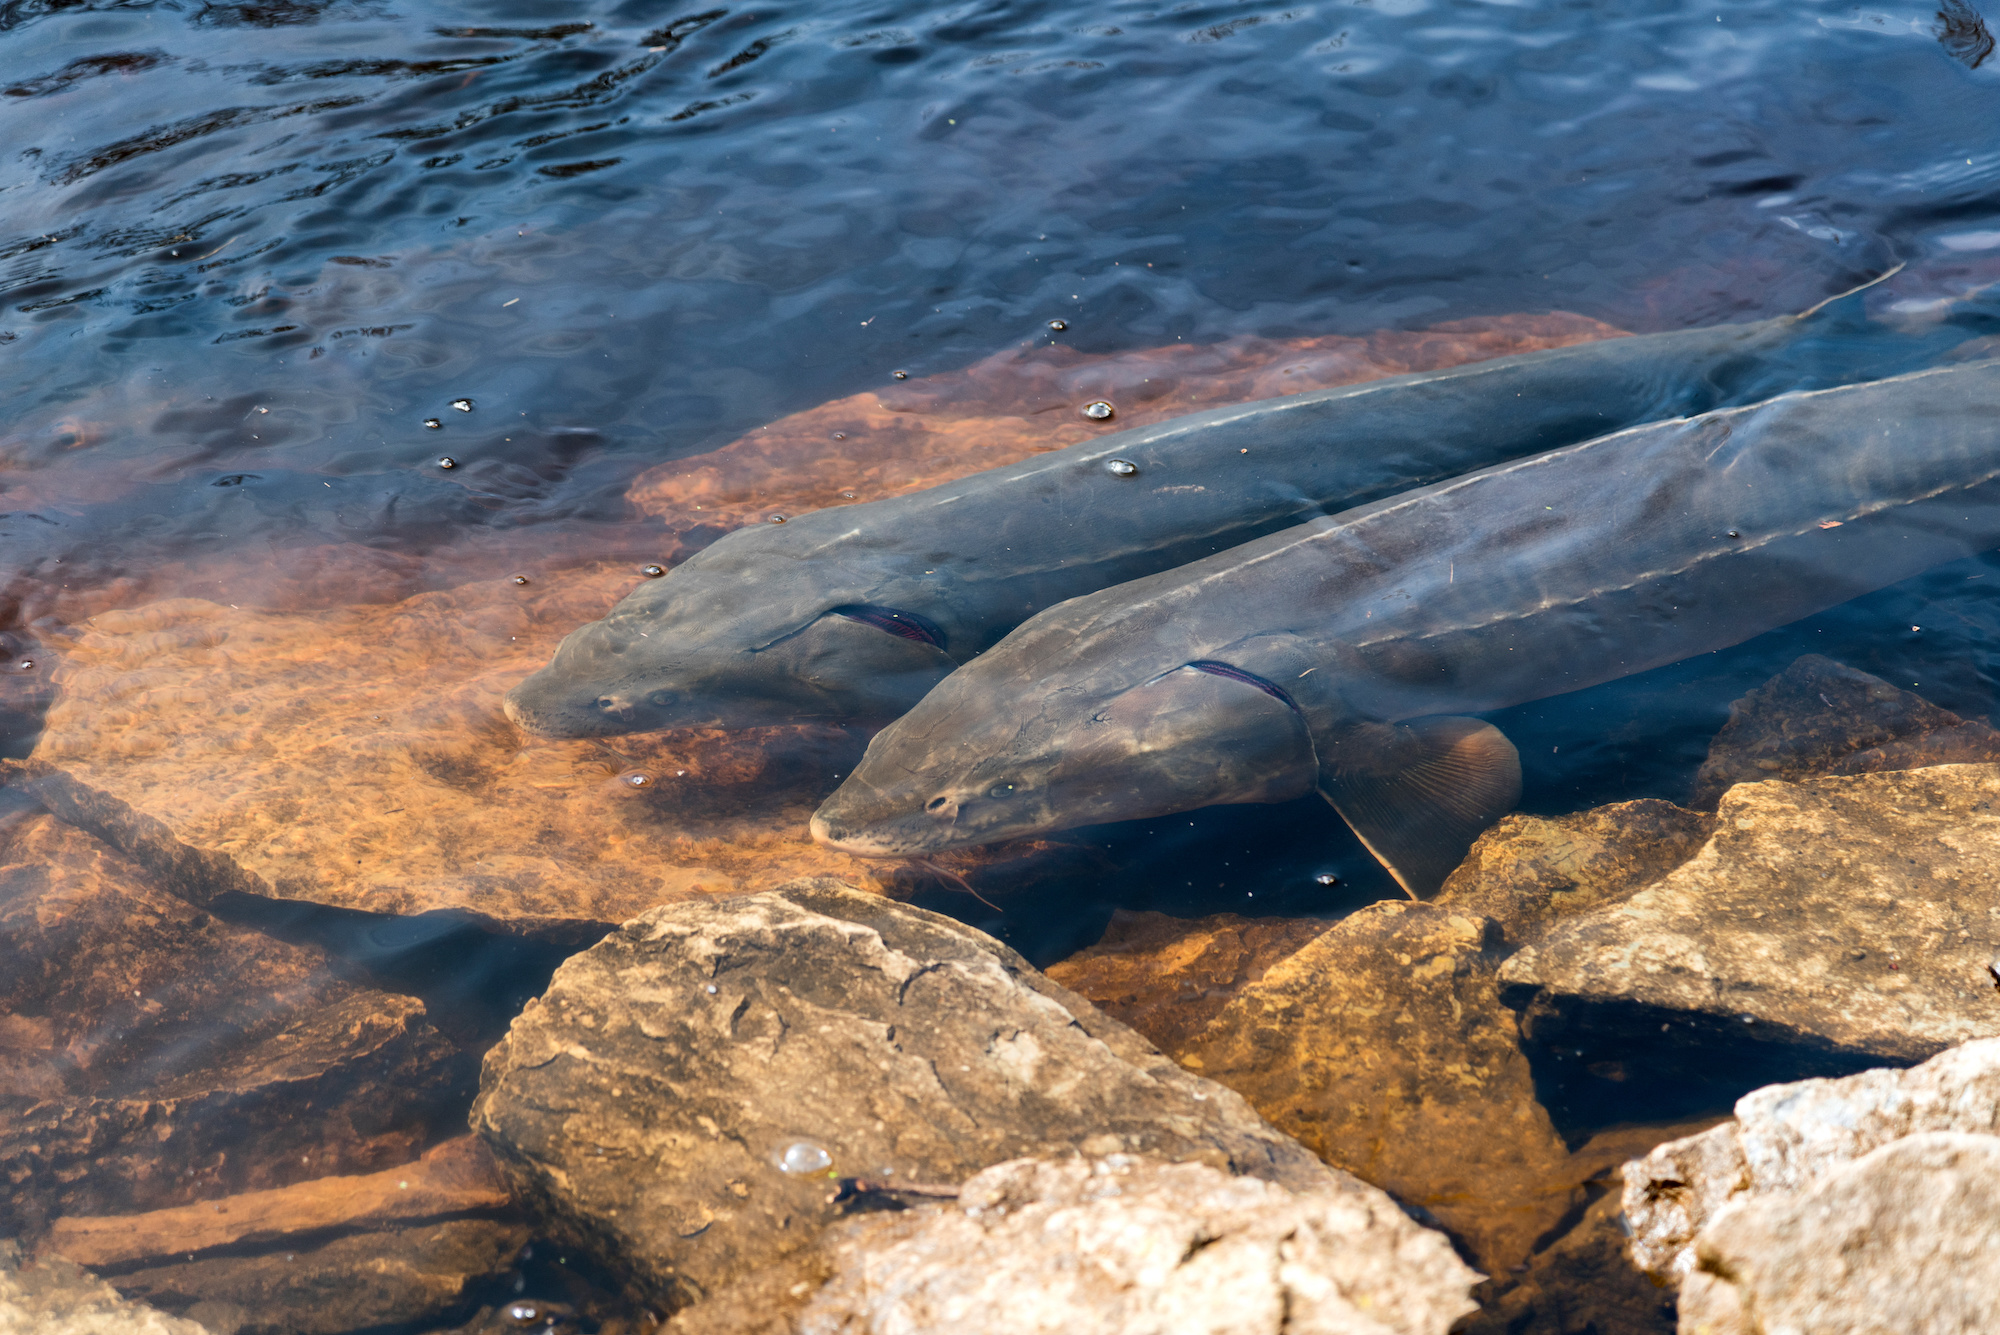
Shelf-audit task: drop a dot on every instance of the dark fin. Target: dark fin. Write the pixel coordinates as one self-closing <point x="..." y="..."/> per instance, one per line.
<point x="1962" y="33"/>
<point x="1231" y="673"/>
<point x="906" y="625"/>
<point x="1419" y="793"/>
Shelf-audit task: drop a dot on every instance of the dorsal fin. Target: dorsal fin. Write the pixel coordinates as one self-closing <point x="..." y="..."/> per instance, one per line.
<point x="1418" y="793"/>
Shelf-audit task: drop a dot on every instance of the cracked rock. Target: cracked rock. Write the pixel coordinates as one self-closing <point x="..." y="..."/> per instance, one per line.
<point x="706" y="1089"/>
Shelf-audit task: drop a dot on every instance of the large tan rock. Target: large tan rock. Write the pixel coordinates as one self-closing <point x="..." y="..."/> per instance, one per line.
<point x="1905" y="1239"/>
<point x="695" y="1095"/>
<point x="1847" y="919"/>
<point x="1787" y="1138"/>
<point x="1382" y="1045"/>
<point x="1168" y="977"/>
<point x="1118" y="1245"/>
<point x="1527" y="872"/>
<point x="1821" y="717"/>
<point x="153" y="1055"/>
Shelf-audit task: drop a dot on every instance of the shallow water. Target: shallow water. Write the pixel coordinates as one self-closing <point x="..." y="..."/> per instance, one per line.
<point x="248" y="251"/>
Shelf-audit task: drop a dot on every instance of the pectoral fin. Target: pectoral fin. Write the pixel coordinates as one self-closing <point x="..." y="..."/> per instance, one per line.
<point x="1419" y="793"/>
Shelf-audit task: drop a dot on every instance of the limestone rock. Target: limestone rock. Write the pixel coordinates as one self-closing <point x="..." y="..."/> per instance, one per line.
<point x="1529" y="871"/>
<point x="1848" y="919"/>
<point x="354" y="1282"/>
<point x="455" y="1178"/>
<point x="1382" y="1045"/>
<point x="1120" y="1244"/>
<point x="1168" y="977"/>
<point x="1007" y="407"/>
<point x="1787" y="1138"/>
<point x="357" y="756"/>
<point x="54" y="1297"/>
<point x="152" y="1055"/>
<point x="1905" y="1238"/>
<point x="1821" y="717"/>
<point x="693" y="1094"/>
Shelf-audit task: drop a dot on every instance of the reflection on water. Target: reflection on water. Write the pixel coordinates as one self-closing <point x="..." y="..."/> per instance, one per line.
<point x="354" y="354"/>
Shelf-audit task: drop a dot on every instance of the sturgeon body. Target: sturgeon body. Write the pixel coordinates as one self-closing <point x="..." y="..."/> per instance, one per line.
<point x="1341" y="655"/>
<point x="853" y="613"/>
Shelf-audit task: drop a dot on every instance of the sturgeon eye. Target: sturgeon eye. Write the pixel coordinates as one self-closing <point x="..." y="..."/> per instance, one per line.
<point x="662" y="699"/>
<point x="1001" y="790"/>
<point x="605" y="702"/>
<point x="935" y="803"/>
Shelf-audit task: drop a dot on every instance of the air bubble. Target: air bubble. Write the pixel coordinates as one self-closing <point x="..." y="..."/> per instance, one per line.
<point x="447" y="462"/>
<point x="900" y="375"/>
<point x="847" y="495"/>
<point x="520" y="579"/>
<point x="1099" y="411"/>
<point x="27" y="665"/>
<point x="652" y="572"/>
<point x="1121" y="468"/>
<point x="1327" y="878"/>
<point x="433" y="423"/>
<point x="463" y="405"/>
<point x="802" y="1156"/>
<point x="1058" y="325"/>
<point x="840" y="435"/>
<point x="1734" y="534"/>
<point x="637" y="778"/>
<point x="777" y="519"/>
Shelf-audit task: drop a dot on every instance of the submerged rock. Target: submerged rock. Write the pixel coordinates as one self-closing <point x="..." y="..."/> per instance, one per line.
<point x="1168" y="977"/>
<point x="358" y="757"/>
<point x="1821" y="717"/>
<point x="703" y="1091"/>
<point x="360" y="1281"/>
<point x="1788" y="1138"/>
<point x="921" y="433"/>
<point x="1527" y="872"/>
<point x="457" y="1177"/>
<point x="54" y="1297"/>
<point x="1847" y="919"/>
<point x="1382" y="1045"/>
<point x="153" y="1055"/>
<point x="1906" y="1238"/>
<point x="1108" y="1246"/>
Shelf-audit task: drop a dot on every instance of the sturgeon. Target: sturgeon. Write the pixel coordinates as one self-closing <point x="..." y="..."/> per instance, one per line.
<point x="853" y="613"/>
<point x="1344" y="654"/>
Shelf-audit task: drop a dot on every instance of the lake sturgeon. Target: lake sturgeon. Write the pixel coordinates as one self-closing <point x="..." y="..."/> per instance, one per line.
<point x="852" y="613"/>
<point x="1342" y="654"/>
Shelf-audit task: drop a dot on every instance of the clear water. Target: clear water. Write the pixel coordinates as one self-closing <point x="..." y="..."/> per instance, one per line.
<point x="265" y="241"/>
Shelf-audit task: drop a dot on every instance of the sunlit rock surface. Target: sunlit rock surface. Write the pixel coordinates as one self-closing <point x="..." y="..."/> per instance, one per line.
<point x="1847" y="917"/>
<point x="1028" y="400"/>
<point x="1906" y="1239"/>
<point x="1121" y="1244"/>
<point x="1527" y="872"/>
<point x="692" y="1095"/>
<point x="152" y="1055"/>
<point x="54" y="1297"/>
<point x="1787" y="1138"/>
<point x="1821" y="717"/>
<point x="1168" y="977"/>
<point x="1382" y="1045"/>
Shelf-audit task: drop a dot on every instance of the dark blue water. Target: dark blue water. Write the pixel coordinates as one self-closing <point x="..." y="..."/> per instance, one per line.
<point x="268" y="239"/>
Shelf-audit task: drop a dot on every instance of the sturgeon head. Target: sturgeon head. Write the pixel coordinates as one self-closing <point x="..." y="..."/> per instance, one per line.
<point x="1056" y="728"/>
<point x="1016" y="744"/>
<point x="757" y="629"/>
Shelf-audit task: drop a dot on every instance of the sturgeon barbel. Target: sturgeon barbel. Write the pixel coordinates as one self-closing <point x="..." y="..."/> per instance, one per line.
<point x="1342" y="655"/>
<point x="853" y="613"/>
